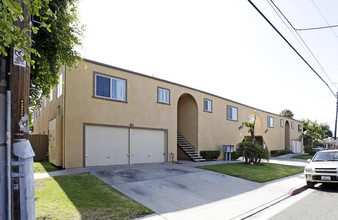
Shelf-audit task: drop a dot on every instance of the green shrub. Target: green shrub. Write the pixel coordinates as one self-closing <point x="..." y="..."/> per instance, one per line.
<point x="235" y="155"/>
<point x="275" y="153"/>
<point x="253" y="153"/>
<point x="210" y="154"/>
<point x="309" y="150"/>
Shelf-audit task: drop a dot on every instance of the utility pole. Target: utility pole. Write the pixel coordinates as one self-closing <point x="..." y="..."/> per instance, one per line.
<point x="18" y="81"/>
<point x="335" y="124"/>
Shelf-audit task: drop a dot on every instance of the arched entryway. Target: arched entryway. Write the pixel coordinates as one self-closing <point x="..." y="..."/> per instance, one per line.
<point x="187" y="120"/>
<point x="287" y="135"/>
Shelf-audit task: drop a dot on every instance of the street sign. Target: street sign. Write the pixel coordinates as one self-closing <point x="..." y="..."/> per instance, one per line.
<point x="18" y="58"/>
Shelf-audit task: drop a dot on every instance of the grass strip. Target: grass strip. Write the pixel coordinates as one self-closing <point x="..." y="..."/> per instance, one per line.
<point x="83" y="196"/>
<point x="303" y="157"/>
<point x="260" y="173"/>
<point x="44" y="167"/>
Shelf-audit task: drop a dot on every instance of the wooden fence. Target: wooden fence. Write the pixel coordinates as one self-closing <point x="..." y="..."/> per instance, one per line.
<point x="39" y="143"/>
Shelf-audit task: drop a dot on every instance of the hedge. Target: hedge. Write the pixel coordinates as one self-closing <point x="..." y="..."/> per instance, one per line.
<point x="210" y="154"/>
<point x="275" y="153"/>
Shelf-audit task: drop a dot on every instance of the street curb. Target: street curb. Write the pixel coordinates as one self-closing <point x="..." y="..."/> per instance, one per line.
<point x="297" y="190"/>
<point x="292" y="192"/>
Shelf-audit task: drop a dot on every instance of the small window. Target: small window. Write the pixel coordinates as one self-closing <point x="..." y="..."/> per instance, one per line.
<point x="292" y="125"/>
<point x="163" y="96"/>
<point x="232" y="113"/>
<point x="270" y="122"/>
<point x="207" y="105"/>
<point x="50" y="96"/>
<point x="44" y="102"/>
<point x="282" y="123"/>
<point x="299" y="128"/>
<point x="110" y="87"/>
<point x="59" y="87"/>
<point x="102" y="86"/>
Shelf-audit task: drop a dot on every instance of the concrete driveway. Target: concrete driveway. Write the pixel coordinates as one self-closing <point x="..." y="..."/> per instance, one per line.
<point x="177" y="191"/>
<point x="169" y="187"/>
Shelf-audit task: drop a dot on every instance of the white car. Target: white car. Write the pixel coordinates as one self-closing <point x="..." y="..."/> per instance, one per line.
<point x="323" y="168"/>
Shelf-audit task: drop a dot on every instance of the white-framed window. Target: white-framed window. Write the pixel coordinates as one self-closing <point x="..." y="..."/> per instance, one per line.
<point x="110" y="87"/>
<point x="282" y="123"/>
<point x="270" y="122"/>
<point x="299" y="128"/>
<point x="44" y="102"/>
<point x="163" y="95"/>
<point x="292" y="125"/>
<point x="59" y="87"/>
<point x="207" y="105"/>
<point x="232" y="113"/>
<point x="50" y="95"/>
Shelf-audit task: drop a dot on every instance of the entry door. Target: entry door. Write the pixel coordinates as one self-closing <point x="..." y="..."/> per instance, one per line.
<point x="106" y="146"/>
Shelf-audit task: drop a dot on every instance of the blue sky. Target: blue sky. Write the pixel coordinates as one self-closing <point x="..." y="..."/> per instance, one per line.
<point x="222" y="47"/>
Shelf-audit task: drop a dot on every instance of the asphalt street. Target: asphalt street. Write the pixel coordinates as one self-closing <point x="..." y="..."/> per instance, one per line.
<point x="317" y="203"/>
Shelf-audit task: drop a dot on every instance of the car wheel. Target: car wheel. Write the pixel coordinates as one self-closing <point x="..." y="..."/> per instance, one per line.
<point x="310" y="184"/>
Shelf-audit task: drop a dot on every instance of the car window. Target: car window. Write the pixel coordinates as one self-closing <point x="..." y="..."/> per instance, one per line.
<point x="323" y="156"/>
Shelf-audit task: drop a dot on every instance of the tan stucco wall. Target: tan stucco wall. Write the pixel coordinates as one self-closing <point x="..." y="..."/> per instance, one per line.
<point x="52" y="109"/>
<point x="143" y="110"/>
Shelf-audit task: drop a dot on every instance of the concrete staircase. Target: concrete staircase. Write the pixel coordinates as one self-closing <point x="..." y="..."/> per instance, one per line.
<point x="188" y="149"/>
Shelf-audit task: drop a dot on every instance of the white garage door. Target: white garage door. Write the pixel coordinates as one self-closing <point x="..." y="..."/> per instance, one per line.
<point x="113" y="145"/>
<point x="147" y="146"/>
<point x="106" y="146"/>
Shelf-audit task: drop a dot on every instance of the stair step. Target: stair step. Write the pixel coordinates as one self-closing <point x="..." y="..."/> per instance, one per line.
<point x="195" y="157"/>
<point x="188" y="149"/>
<point x="199" y="160"/>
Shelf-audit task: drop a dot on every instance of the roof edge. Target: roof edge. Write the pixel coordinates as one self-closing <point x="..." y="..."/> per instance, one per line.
<point x="177" y="84"/>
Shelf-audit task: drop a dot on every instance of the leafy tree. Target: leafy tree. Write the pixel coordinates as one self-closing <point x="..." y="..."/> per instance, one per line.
<point x="56" y="34"/>
<point x="56" y="48"/>
<point x="287" y="113"/>
<point x="11" y="12"/>
<point x="327" y="130"/>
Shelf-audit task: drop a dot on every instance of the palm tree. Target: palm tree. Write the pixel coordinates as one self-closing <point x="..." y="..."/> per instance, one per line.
<point x="251" y="126"/>
<point x="312" y="131"/>
<point x="287" y="113"/>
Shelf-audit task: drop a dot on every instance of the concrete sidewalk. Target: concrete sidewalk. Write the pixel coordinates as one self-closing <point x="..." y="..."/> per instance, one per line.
<point x="238" y="206"/>
<point x="181" y="191"/>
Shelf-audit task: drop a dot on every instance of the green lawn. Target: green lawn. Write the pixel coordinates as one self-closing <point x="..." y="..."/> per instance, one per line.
<point x="303" y="157"/>
<point x="44" y="167"/>
<point x="260" y="173"/>
<point x="83" y="196"/>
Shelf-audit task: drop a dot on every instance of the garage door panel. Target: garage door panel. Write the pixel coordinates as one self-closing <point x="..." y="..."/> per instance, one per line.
<point x="147" y="146"/>
<point x="106" y="146"/>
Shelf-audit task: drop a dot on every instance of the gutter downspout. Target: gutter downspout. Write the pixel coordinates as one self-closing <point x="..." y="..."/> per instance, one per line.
<point x="63" y="119"/>
<point x="9" y="153"/>
<point x="8" y="135"/>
